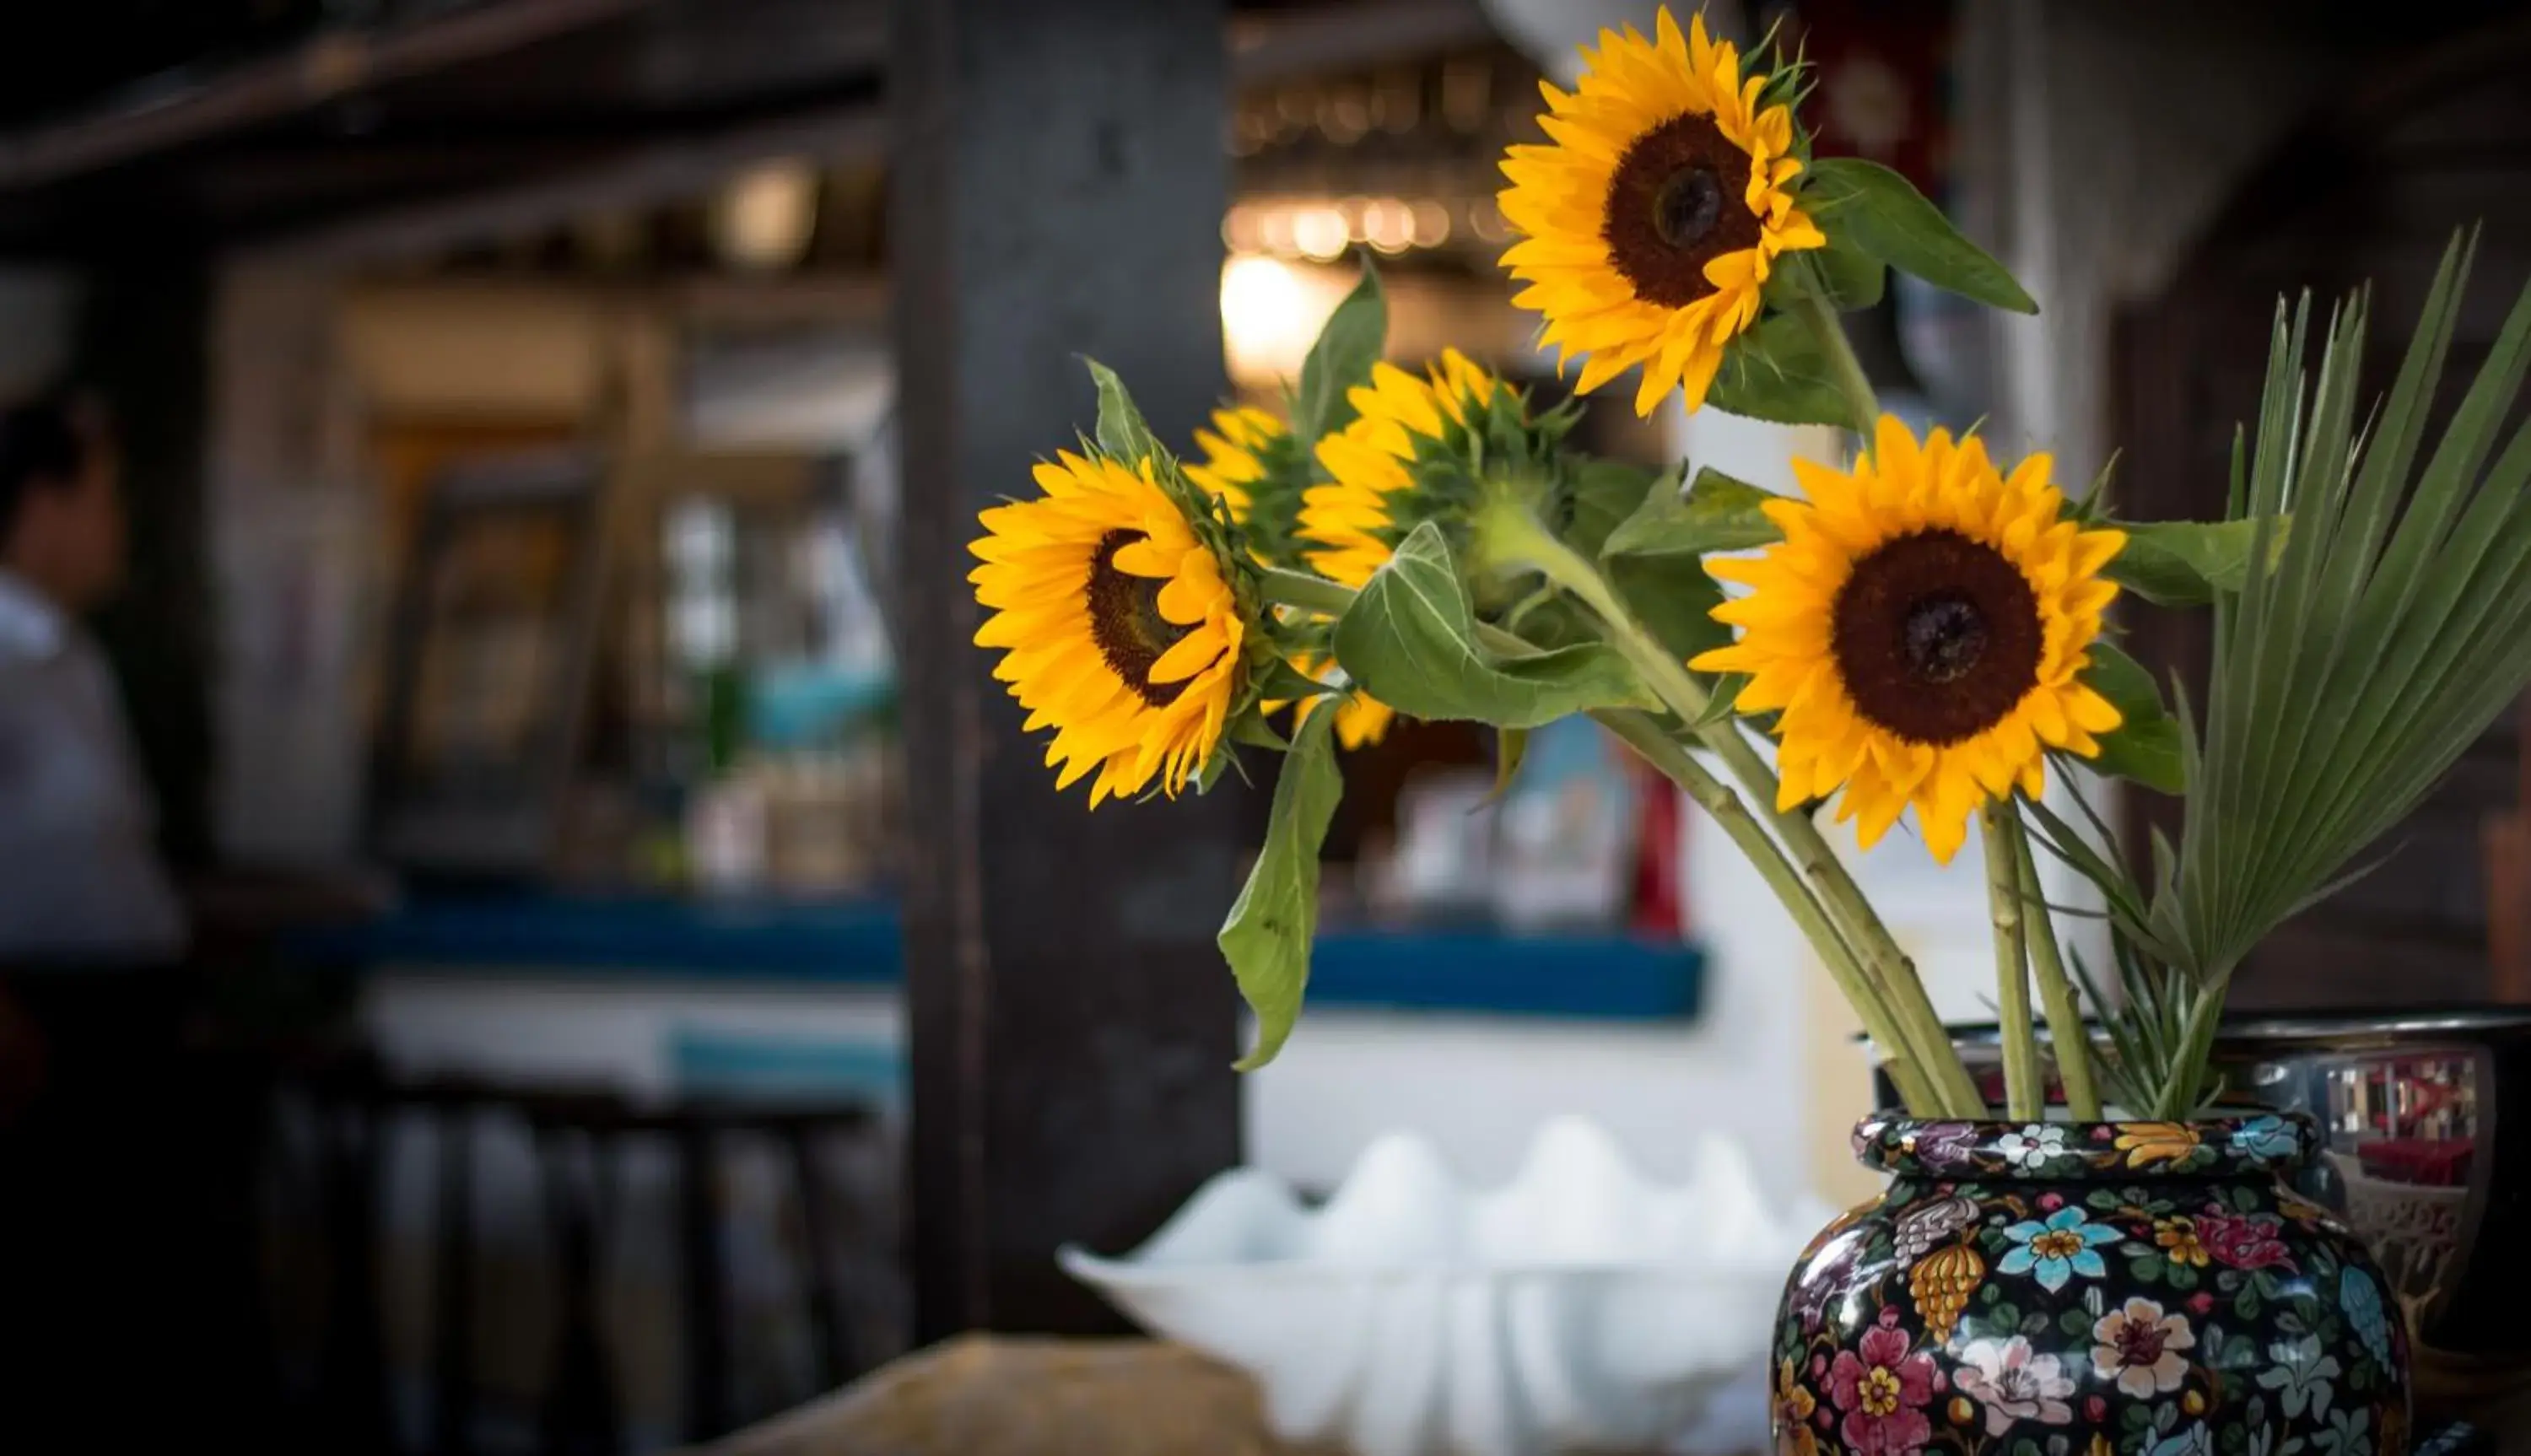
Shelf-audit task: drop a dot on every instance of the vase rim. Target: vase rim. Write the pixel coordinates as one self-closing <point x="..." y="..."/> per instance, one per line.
<point x="2261" y="1144"/>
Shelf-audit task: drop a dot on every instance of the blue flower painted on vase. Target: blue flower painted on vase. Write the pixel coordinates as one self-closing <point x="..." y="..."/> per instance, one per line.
<point x="2053" y="1252"/>
<point x="2361" y="1299"/>
<point x="2267" y="1137"/>
<point x="2196" y="1440"/>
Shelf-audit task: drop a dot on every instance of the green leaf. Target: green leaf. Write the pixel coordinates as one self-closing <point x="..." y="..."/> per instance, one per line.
<point x="1410" y="640"/>
<point x="1511" y="745"/>
<point x="2185" y="563"/>
<point x="1599" y="498"/>
<point x="1723" y="702"/>
<point x="1776" y="372"/>
<point x="1267" y="937"/>
<point x="1121" y="431"/>
<point x="1341" y="359"/>
<point x="1674" y="598"/>
<point x="1889" y="219"/>
<point x="1844" y="272"/>
<point x="1718" y="513"/>
<point x="2146" y="747"/>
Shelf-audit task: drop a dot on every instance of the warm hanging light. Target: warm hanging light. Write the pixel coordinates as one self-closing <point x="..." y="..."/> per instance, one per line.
<point x="764" y="218"/>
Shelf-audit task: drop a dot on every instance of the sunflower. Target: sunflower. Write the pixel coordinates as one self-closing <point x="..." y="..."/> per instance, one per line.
<point x="1651" y="221"/>
<point x="1395" y="463"/>
<point x="1923" y="625"/>
<point x="1119" y="625"/>
<point x="1252" y="463"/>
<point x="1258" y="468"/>
<point x="1234" y="450"/>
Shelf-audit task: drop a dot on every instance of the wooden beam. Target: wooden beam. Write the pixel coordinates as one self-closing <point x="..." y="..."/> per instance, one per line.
<point x="335" y="64"/>
<point x="670" y="172"/>
<point x="1058" y="188"/>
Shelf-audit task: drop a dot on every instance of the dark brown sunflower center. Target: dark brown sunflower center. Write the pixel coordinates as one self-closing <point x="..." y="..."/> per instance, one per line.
<point x="1937" y="637"/>
<point x="1125" y="621"/>
<point x="1673" y="206"/>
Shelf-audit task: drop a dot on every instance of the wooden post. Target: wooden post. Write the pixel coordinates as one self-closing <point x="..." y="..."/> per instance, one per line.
<point x="1059" y="185"/>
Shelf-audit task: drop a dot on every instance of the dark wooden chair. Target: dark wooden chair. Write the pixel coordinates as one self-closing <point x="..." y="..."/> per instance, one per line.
<point x="580" y="1138"/>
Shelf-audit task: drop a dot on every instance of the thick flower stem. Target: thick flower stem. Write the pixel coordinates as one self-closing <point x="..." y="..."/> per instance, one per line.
<point x="2023" y="1093"/>
<point x="1646" y="737"/>
<point x="1854" y="915"/>
<point x="1819" y="317"/>
<point x="1310" y="593"/>
<point x="2067" y="1036"/>
<point x="1514" y="534"/>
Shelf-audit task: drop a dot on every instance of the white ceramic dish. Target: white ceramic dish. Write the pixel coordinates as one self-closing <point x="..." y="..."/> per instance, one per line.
<point x="1578" y="1308"/>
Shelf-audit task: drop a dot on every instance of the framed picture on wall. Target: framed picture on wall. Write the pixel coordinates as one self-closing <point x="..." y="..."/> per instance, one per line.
<point x="489" y="664"/>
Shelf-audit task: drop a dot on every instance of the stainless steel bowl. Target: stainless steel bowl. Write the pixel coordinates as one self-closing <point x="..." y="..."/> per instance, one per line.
<point x="2428" y="1155"/>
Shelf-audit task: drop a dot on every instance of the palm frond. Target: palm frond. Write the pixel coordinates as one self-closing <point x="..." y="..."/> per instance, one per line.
<point x="2393" y="629"/>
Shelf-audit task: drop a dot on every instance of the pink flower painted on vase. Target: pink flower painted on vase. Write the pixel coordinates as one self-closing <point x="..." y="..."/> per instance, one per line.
<point x="2142" y="1349"/>
<point x="2242" y="1243"/>
<point x="2014" y="1382"/>
<point x="1882" y="1387"/>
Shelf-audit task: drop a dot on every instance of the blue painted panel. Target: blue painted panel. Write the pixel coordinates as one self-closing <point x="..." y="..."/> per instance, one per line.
<point x="861" y="943"/>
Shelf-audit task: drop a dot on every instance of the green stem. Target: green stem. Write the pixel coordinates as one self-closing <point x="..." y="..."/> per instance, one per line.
<point x="1512" y="533"/>
<point x="1820" y="316"/>
<point x="1310" y="593"/>
<point x="2070" y="1040"/>
<point x="1645" y="736"/>
<point x="2023" y="1093"/>
<point x="2182" y="1093"/>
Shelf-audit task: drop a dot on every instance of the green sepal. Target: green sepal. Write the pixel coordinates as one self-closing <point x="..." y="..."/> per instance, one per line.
<point x="1120" y="431"/>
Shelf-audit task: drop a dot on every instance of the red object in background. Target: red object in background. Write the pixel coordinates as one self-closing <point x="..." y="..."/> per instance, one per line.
<point x="1883" y="82"/>
<point x="2435" y="1163"/>
<point x="1658" y="910"/>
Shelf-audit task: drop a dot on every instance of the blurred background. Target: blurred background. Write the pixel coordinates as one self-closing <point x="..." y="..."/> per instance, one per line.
<point x="636" y="976"/>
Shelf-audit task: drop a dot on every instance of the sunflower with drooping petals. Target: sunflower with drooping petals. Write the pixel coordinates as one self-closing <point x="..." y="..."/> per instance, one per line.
<point x="1923" y="628"/>
<point x="1653" y="218"/>
<point x="1234" y="450"/>
<point x="1255" y="465"/>
<point x="1119" y="622"/>
<point x="1401" y="460"/>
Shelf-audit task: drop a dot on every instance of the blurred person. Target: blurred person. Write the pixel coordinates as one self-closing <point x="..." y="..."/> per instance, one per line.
<point x="92" y="994"/>
<point x="81" y="884"/>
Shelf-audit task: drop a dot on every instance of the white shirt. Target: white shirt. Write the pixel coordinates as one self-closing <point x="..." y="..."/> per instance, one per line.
<point x="80" y="883"/>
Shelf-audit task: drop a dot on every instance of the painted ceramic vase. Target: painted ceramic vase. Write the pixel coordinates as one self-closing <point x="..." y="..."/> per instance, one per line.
<point x="2089" y="1289"/>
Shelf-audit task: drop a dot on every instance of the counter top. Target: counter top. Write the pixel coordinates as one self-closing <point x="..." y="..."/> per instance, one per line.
<point x="861" y="943"/>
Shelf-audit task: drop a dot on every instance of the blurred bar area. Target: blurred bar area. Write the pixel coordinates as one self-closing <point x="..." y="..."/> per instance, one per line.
<point x="638" y="975"/>
<point x="520" y="474"/>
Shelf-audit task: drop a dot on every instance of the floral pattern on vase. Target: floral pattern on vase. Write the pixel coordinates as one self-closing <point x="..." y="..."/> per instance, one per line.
<point x="2089" y="1289"/>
